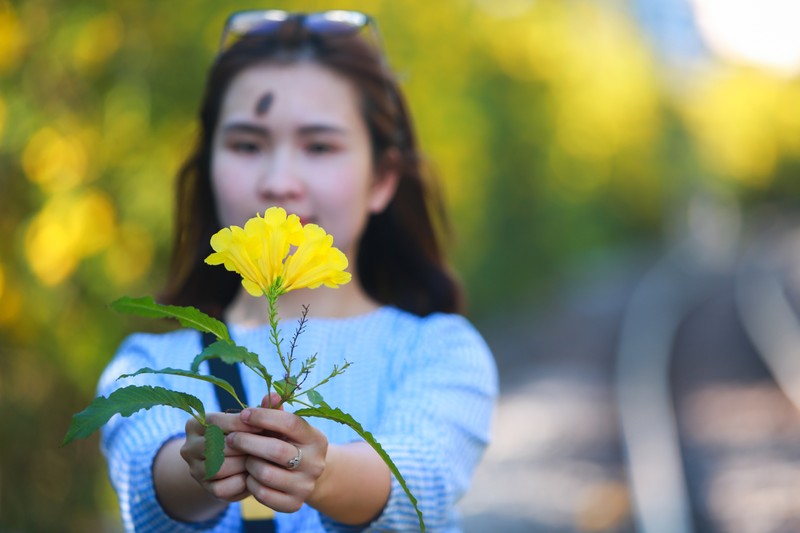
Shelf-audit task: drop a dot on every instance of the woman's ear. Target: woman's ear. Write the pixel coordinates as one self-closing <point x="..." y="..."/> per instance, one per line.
<point x="387" y="176"/>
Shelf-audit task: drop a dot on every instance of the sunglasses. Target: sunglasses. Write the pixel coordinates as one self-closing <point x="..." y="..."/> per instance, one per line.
<point x="265" y="22"/>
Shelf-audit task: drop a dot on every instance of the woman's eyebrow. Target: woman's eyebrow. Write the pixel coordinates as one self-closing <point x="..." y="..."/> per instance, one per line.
<point x="321" y="128"/>
<point x="244" y="127"/>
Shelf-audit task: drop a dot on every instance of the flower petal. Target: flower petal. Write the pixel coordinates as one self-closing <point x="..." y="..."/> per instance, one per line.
<point x="258" y="252"/>
<point x="315" y="262"/>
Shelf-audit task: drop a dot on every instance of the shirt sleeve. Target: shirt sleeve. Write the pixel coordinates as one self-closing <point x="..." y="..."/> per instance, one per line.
<point x="437" y="422"/>
<point x="131" y="444"/>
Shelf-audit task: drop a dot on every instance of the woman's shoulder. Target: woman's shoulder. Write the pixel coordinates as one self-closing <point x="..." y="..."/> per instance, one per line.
<point x="445" y="342"/>
<point x="434" y="324"/>
<point x="144" y="340"/>
<point x="438" y="332"/>
<point x="155" y="348"/>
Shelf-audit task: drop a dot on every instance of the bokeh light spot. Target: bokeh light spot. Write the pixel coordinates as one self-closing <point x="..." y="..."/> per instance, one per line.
<point x="130" y="256"/>
<point x="12" y="38"/>
<point x="98" y="41"/>
<point x="53" y="161"/>
<point x="69" y="228"/>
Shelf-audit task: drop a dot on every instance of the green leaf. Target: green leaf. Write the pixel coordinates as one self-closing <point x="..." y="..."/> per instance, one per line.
<point x="219" y="382"/>
<point x="126" y="401"/>
<point x="337" y="415"/>
<point x="189" y="317"/>
<point x="284" y="389"/>
<point x="214" y="450"/>
<point x="230" y="353"/>
<point x="315" y="398"/>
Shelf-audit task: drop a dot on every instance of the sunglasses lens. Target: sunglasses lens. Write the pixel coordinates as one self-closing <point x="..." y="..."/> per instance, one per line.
<point x="336" y="22"/>
<point x="251" y="22"/>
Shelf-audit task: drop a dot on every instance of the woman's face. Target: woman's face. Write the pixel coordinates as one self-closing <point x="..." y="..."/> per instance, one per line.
<point x="293" y="136"/>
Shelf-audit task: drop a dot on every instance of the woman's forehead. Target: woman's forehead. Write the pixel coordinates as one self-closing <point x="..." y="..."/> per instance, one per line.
<point x="306" y="88"/>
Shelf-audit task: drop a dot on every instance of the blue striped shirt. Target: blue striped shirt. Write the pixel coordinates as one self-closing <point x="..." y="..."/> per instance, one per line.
<point x="423" y="386"/>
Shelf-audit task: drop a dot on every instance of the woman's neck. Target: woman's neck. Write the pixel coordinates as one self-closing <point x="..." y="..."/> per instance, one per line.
<point x="346" y="301"/>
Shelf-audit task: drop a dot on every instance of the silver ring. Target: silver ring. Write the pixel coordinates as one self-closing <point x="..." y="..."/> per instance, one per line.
<point x="295" y="461"/>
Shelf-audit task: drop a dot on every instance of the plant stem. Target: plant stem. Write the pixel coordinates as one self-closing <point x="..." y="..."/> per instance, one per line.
<point x="272" y="298"/>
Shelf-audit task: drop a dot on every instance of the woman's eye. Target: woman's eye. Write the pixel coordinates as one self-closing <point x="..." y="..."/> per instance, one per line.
<point x="244" y="147"/>
<point x="320" y="148"/>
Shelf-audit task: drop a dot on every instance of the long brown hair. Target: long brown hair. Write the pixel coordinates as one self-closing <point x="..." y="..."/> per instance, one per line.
<point x="400" y="259"/>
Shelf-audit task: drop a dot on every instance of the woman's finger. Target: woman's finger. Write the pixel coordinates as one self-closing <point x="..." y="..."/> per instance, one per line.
<point x="275" y="499"/>
<point x="272" y="401"/>
<point x="276" y="451"/>
<point x="228" y="422"/>
<point x="231" y="488"/>
<point x="288" y="425"/>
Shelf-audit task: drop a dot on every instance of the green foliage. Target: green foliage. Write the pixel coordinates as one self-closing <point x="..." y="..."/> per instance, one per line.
<point x="315" y="397"/>
<point x="127" y="401"/>
<point x="189" y="317"/>
<point x="286" y="389"/>
<point x="219" y="382"/>
<point x="214" y="450"/>
<point x="230" y="353"/>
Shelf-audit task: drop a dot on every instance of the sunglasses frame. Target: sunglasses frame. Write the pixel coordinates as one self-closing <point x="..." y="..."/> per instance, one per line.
<point x="337" y="22"/>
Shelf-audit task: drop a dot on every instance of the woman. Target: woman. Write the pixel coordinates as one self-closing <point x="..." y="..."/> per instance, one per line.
<point x="301" y="112"/>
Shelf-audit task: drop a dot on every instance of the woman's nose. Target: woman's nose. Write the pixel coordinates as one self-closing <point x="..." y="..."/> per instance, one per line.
<point x="279" y="177"/>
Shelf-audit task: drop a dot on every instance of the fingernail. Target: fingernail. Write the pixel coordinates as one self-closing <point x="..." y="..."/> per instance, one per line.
<point x="245" y="415"/>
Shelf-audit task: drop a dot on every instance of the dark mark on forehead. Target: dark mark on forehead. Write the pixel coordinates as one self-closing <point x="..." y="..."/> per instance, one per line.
<point x="264" y="103"/>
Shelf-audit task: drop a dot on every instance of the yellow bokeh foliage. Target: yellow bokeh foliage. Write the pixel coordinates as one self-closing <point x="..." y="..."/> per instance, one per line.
<point x="54" y="161"/>
<point x="98" y="41"/>
<point x="3" y="115"/>
<point x="744" y="121"/>
<point x="12" y="38"/>
<point x="130" y="255"/>
<point x="603" y="92"/>
<point x="68" y="229"/>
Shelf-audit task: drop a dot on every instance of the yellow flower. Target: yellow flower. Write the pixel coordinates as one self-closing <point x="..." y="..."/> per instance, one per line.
<point x="258" y="252"/>
<point x="315" y="262"/>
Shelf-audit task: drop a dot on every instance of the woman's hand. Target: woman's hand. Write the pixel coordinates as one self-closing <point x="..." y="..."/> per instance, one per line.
<point x="229" y="483"/>
<point x="268" y="455"/>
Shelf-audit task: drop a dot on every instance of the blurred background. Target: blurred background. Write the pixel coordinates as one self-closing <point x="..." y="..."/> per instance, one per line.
<point x="623" y="176"/>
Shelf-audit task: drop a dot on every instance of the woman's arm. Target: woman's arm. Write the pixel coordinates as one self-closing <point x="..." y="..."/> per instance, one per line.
<point x="179" y="473"/>
<point x="180" y="495"/>
<point x="355" y="485"/>
<point x="436" y="420"/>
<point x="132" y="444"/>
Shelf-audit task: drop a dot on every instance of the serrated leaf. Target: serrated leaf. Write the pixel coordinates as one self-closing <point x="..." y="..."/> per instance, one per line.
<point x="219" y="382"/>
<point x="315" y="398"/>
<point x="189" y="317"/>
<point x="284" y="389"/>
<point x="230" y="353"/>
<point x="337" y="415"/>
<point x="126" y="401"/>
<point x="214" y="450"/>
